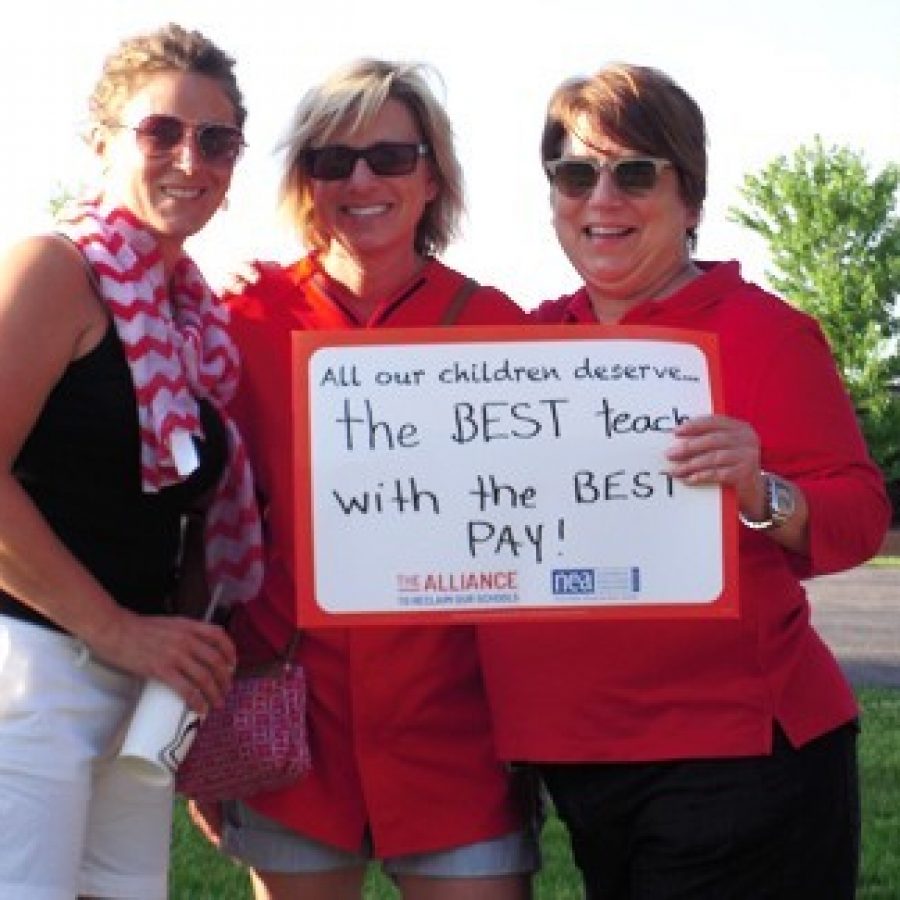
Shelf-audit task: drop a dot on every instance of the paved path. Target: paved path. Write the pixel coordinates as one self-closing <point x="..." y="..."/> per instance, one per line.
<point x="858" y="615"/>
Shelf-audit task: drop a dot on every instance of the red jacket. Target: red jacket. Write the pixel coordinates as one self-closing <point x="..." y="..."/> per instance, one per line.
<point x="656" y="690"/>
<point x="399" y="723"/>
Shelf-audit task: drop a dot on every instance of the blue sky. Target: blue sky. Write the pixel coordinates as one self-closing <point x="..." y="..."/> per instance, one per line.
<point x="769" y="75"/>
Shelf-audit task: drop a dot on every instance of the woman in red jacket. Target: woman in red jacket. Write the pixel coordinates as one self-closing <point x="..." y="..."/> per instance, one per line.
<point x="404" y="767"/>
<point x="698" y="759"/>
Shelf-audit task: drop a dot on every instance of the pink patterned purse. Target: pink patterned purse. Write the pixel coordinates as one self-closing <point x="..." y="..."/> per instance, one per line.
<point x="256" y="741"/>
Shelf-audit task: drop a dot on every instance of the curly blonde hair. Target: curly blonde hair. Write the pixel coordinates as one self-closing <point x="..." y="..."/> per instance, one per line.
<point x="170" y="48"/>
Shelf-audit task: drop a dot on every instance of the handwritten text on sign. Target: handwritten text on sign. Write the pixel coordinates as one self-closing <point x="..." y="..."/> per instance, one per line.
<point x="454" y="477"/>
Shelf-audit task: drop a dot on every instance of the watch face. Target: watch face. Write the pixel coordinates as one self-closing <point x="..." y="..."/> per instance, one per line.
<point x="781" y="499"/>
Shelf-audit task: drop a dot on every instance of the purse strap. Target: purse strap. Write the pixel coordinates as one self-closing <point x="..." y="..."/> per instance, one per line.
<point x="279" y="664"/>
<point x="458" y="302"/>
<point x="290" y="648"/>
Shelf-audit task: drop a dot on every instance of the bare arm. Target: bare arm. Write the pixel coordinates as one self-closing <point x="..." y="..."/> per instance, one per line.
<point x="48" y="317"/>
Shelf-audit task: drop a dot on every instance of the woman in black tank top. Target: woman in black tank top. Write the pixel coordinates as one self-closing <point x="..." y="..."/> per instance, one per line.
<point x="79" y="466"/>
<point x="114" y="372"/>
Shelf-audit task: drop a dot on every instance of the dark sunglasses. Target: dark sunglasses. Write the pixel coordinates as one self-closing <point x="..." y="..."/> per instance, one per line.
<point x="577" y="177"/>
<point x="159" y="135"/>
<point x="387" y="159"/>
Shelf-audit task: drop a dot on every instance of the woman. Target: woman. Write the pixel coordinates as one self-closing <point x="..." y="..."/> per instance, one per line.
<point x="112" y="355"/>
<point x="696" y="758"/>
<point x="404" y="768"/>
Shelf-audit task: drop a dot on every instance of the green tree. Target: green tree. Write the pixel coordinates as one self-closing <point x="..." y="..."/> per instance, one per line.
<point x="62" y="196"/>
<point x="834" y="240"/>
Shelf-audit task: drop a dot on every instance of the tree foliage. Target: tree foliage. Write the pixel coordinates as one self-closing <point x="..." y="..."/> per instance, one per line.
<point x="834" y="240"/>
<point x="61" y="198"/>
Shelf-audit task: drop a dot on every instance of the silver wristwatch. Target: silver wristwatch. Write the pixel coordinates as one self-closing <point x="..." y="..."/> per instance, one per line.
<point x="781" y="503"/>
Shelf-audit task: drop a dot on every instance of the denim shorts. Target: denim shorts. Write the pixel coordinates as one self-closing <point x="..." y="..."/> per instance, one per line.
<point x="268" y="846"/>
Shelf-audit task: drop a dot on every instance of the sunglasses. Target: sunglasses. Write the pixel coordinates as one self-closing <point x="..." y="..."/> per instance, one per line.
<point x="159" y="135"/>
<point x="387" y="159"/>
<point x="578" y="177"/>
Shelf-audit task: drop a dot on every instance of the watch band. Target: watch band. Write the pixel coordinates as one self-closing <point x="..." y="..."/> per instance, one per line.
<point x="756" y="525"/>
<point x="780" y="504"/>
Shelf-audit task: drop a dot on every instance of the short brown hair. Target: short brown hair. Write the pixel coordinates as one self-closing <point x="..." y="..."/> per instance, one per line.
<point x="353" y="96"/>
<point x="170" y="48"/>
<point x="642" y="108"/>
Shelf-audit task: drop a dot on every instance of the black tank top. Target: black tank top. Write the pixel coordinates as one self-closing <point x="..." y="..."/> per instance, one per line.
<point x="81" y="467"/>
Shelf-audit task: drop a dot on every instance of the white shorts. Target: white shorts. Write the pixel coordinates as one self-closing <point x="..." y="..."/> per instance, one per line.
<point x="71" y="821"/>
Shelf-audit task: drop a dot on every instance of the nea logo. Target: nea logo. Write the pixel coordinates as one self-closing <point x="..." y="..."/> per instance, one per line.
<point x="573" y="581"/>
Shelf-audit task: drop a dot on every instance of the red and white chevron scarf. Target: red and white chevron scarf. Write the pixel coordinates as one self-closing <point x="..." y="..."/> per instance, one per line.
<point x="175" y="340"/>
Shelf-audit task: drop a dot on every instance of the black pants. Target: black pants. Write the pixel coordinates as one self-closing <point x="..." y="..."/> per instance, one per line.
<point x="779" y="827"/>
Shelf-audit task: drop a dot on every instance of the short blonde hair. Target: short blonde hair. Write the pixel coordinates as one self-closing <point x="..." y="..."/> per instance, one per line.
<point x="351" y="98"/>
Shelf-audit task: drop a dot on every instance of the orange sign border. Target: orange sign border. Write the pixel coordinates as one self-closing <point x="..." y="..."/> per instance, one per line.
<point x="306" y="343"/>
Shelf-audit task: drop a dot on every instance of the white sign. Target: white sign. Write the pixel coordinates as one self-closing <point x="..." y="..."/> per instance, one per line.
<point x="459" y="477"/>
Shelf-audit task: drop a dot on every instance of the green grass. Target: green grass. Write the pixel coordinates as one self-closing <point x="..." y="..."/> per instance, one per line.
<point x="879" y="757"/>
<point x="886" y="561"/>
<point x="200" y="873"/>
